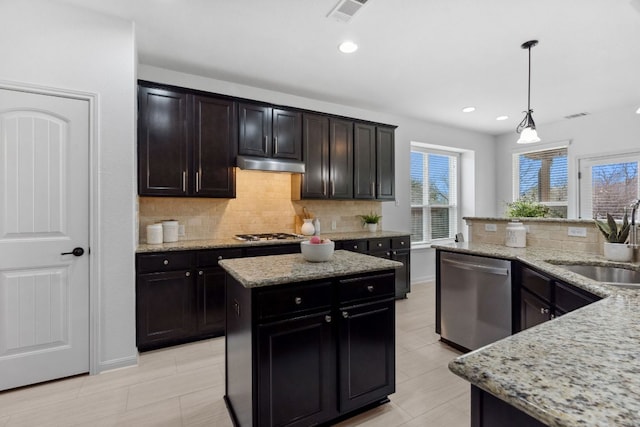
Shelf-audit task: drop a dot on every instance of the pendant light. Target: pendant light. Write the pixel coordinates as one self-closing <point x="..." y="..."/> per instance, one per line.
<point x="527" y="127"/>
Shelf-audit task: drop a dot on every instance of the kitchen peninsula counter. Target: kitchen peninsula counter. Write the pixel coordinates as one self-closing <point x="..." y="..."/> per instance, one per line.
<point x="186" y="245"/>
<point x="580" y="369"/>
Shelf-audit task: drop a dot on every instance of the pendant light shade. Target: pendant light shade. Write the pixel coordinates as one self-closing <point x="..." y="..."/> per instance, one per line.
<point x="527" y="127"/>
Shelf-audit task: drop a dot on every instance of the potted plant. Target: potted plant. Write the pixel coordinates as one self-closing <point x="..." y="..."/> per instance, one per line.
<point x="615" y="247"/>
<point x="526" y="207"/>
<point x="371" y="221"/>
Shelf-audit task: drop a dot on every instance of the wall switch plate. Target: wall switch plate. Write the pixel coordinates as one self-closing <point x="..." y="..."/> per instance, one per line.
<point x="181" y="230"/>
<point x="577" y="231"/>
<point x="490" y="227"/>
<point x="333" y="224"/>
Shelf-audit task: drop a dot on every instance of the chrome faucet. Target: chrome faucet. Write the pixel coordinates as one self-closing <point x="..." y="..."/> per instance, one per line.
<point x="633" y="236"/>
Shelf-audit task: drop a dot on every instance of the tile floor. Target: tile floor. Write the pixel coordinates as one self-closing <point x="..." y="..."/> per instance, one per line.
<point x="184" y="385"/>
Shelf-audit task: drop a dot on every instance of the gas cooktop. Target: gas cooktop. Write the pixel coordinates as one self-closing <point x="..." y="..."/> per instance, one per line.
<point x="267" y="236"/>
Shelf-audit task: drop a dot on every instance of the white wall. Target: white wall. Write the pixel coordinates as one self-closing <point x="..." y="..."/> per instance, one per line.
<point x="47" y="44"/>
<point x="605" y="132"/>
<point x="394" y="217"/>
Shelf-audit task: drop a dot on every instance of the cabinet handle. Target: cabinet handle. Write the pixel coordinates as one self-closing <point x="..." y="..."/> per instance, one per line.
<point x="345" y="314"/>
<point x="197" y="182"/>
<point x="200" y="273"/>
<point x="355" y="246"/>
<point x="165" y="262"/>
<point x="188" y="274"/>
<point x="275" y="144"/>
<point x="388" y="253"/>
<point x="324" y="187"/>
<point x="266" y="143"/>
<point x="544" y="310"/>
<point x="370" y="288"/>
<point x="373" y="189"/>
<point x="327" y="318"/>
<point x="395" y="252"/>
<point x="298" y="300"/>
<point x="379" y="245"/>
<point x="402" y="243"/>
<point x="333" y="188"/>
<point x="184" y="182"/>
<point x="553" y="316"/>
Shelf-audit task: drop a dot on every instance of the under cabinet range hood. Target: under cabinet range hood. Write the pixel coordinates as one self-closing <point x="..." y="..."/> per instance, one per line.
<point x="270" y="164"/>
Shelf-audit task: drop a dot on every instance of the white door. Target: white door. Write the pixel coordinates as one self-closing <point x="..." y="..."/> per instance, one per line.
<point x="44" y="212"/>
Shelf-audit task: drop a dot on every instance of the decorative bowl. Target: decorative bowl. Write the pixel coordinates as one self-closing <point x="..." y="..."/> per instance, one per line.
<point x="317" y="252"/>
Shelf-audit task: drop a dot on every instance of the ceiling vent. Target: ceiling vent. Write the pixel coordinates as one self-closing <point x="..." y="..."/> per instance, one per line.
<point x="346" y="9"/>
<point x="575" y="116"/>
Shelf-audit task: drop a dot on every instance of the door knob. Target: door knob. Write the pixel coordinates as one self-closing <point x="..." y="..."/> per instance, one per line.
<point x="74" y="252"/>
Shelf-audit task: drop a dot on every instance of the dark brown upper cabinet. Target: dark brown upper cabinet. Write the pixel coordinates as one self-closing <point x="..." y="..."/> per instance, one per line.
<point x="186" y="144"/>
<point x="328" y="156"/>
<point x="269" y="132"/>
<point x="374" y="162"/>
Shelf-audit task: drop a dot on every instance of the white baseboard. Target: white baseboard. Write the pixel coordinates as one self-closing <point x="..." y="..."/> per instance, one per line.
<point x="124" y="362"/>
<point x="423" y="279"/>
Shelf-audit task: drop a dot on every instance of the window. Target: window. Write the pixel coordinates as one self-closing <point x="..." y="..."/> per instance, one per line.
<point x="434" y="190"/>
<point x="542" y="176"/>
<point x="608" y="184"/>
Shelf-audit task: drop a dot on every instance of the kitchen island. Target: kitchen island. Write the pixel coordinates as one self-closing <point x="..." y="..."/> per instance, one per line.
<point x="580" y="369"/>
<point x="308" y="343"/>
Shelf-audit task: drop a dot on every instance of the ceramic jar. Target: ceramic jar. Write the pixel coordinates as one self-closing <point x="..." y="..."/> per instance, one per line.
<point x="307" y="228"/>
<point x="516" y="235"/>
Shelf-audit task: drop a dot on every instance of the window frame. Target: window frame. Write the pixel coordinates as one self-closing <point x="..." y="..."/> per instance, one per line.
<point x="515" y="171"/>
<point x="584" y="202"/>
<point x="425" y="149"/>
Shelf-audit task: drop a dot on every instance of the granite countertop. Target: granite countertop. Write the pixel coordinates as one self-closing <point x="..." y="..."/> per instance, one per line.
<point x="581" y="369"/>
<point x="271" y="270"/>
<point x="184" y="245"/>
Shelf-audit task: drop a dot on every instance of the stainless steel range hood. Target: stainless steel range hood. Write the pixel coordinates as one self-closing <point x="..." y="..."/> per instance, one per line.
<point x="270" y="165"/>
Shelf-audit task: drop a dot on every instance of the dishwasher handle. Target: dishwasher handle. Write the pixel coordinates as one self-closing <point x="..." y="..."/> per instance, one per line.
<point x="477" y="267"/>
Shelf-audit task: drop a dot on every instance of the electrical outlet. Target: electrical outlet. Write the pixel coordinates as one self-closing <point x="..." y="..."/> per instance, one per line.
<point x="333" y="224"/>
<point x="490" y="227"/>
<point x="577" y="232"/>
<point x="181" y="230"/>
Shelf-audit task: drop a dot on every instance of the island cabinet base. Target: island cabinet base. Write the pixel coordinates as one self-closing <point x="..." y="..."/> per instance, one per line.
<point x="309" y="353"/>
<point x="489" y="411"/>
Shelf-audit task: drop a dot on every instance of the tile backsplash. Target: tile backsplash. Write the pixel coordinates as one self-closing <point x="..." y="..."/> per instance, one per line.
<point x="262" y="204"/>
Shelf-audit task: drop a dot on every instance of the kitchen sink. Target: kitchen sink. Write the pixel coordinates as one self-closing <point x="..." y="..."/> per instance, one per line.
<point x="616" y="276"/>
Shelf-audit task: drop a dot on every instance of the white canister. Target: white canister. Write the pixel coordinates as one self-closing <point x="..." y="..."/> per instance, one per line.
<point x="154" y="234"/>
<point x="516" y="235"/>
<point x="170" y="231"/>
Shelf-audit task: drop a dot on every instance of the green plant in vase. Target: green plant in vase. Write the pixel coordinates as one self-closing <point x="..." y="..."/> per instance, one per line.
<point x="371" y="220"/>
<point x="616" y="236"/>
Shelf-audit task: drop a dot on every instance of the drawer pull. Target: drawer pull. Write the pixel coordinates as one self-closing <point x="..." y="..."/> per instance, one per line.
<point x="219" y="257"/>
<point x="355" y="246"/>
<point x="188" y="274"/>
<point x="544" y="310"/>
<point x="165" y="262"/>
<point x="370" y="288"/>
<point x="402" y="243"/>
<point x="379" y="245"/>
<point x="345" y="314"/>
<point x="200" y="272"/>
<point x="327" y="318"/>
<point x="298" y="300"/>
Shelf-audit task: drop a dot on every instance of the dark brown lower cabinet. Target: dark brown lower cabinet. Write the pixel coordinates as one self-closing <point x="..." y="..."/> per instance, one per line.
<point x="210" y="301"/>
<point x="164" y="306"/>
<point x="309" y="353"/>
<point x="533" y="310"/>
<point x="489" y="411"/>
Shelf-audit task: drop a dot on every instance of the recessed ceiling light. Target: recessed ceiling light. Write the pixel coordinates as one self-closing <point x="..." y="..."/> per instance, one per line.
<point x="468" y="109"/>
<point x="638" y="110"/>
<point x="348" y="47"/>
<point x="500" y="118"/>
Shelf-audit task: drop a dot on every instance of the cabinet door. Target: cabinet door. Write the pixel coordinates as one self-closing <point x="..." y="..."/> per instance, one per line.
<point x="315" y="141"/>
<point x="162" y="142"/>
<point x="364" y="161"/>
<point x="533" y="310"/>
<point x="568" y="298"/>
<point x="255" y="130"/>
<point x="164" y="308"/>
<point x="214" y="145"/>
<point x="296" y="371"/>
<point x="367" y="354"/>
<point x="287" y="135"/>
<point x="341" y="159"/>
<point x="403" y="280"/>
<point x="210" y="305"/>
<point x="385" y="164"/>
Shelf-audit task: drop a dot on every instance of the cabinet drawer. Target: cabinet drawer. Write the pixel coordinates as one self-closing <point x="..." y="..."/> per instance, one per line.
<point x="401" y="242"/>
<point x="210" y="258"/>
<point x="279" y="302"/>
<point x="165" y="261"/>
<point x="355" y="245"/>
<point x="569" y="299"/>
<point x="363" y="288"/>
<point x="536" y="283"/>
<point x="382" y="244"/>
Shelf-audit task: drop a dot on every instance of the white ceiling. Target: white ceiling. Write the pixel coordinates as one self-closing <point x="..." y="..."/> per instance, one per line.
<point x="419" y="58"/>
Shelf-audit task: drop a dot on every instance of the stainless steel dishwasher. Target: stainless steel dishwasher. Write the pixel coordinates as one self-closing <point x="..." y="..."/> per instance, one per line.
<point x="475" y="299"/>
